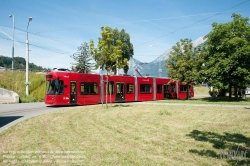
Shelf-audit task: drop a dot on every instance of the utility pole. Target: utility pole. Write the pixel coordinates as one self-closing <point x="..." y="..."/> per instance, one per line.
<point x="12" y="16"/>
<point x="160" y="69"/>
<point x="27" y="61"/>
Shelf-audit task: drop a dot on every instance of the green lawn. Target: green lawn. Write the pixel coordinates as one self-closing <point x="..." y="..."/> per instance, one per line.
<point x="210" y="100"/>
<point x="131" y="134"/>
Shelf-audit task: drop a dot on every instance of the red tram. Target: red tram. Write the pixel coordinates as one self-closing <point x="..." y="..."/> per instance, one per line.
<point x="71" y="88"/>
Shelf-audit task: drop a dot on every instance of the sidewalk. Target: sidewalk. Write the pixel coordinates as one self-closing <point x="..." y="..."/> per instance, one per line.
<point x="201" y="96"/>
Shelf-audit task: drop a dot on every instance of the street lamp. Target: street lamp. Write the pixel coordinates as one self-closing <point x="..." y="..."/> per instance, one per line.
<point x="12" y="16"/>
<point x="27" y="61"/>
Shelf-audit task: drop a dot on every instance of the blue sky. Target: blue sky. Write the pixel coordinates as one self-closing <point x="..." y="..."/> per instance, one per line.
<point x="60" y="26"/>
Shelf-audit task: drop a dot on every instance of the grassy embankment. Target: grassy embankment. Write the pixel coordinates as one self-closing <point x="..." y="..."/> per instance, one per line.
<point x="15" y="81"/>
<point x="131" y="134"/>
<point x="201" y="90"/>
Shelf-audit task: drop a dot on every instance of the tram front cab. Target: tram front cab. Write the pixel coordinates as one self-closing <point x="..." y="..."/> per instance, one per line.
<point x="55" y="90"/>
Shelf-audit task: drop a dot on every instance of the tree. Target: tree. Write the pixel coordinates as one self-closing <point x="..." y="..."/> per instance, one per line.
<point x="182" y="64"/>
<point x="106" y="54"/>
<point x="227" y="54"/>
<point x="82" y="58"/>
<point x="127" y="47"/>
<point x="117" y="51"/>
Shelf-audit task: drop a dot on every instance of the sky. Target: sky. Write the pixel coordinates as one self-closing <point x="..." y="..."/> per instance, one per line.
<point x="58" y="27"/>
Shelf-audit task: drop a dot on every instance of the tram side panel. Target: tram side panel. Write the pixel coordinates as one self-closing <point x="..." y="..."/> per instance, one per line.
<point x="70" y="94"/>
<point x="88" y="89"/>
<point x="108" y="89"/>
<point x="161" y="88"/>
<point x="183" y="90"/>
<point x="177" y="90"/>
<point x="125" y="88"/>
<point x="145" y="88"/>
<point x="118" y="88"/>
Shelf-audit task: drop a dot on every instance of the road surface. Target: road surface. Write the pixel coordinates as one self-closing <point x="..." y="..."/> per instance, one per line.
<point x="11" y="114"/>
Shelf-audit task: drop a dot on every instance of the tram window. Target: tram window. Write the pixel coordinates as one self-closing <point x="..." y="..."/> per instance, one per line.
<point x="73" y="87"/>
<point x="110" y="87"/>
<point x="89" y="88"/>
<point x="159" y="88"/>
<point x="61" y="87"/>
<point x="183" y="88"/>
<point x="55" y="87"/>
<point x="145" y="88"/>
<point x="130" y="88"/>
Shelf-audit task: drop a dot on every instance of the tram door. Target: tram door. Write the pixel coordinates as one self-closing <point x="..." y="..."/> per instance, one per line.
<point x="166" y="91"/>
<point x="73" y="92"/>
<point x="120" y="95"/>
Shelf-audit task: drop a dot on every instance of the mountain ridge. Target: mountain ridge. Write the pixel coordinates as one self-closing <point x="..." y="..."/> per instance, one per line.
<point x="152" y="68"/>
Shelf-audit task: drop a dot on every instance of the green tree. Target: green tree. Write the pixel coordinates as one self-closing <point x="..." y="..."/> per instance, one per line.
<point x="182" y="64"/>
<point x="108" y="53"/>
<point x="127" y="47"/>
<point x="227" y="54"/>
<point x="82" y="58"/>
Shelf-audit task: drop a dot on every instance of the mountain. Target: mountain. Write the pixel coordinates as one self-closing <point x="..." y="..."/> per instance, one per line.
<point x="152" y="68"/>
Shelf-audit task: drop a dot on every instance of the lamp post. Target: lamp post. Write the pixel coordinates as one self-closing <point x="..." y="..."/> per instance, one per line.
<point x="12" y="16"/>
<point x="27" y="61"/>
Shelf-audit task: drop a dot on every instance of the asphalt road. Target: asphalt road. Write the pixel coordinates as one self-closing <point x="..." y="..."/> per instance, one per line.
<point x="11" y="114"/>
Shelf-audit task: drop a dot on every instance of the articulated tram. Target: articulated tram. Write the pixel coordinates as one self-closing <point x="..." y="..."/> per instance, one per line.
<point x="72" y="88"/>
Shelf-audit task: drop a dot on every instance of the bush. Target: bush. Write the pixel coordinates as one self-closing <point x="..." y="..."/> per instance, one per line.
<point x="217" y="93"/>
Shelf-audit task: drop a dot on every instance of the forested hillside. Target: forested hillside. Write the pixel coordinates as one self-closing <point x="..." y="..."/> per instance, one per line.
<point x="19" y="64"/>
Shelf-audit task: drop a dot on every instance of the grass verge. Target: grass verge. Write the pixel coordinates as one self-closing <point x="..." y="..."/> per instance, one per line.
<point x="210" y="100"/>
<point x="128" y="134"/>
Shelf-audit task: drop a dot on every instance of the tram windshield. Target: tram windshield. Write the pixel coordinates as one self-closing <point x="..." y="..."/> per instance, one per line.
<point x="54" y="87"/>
